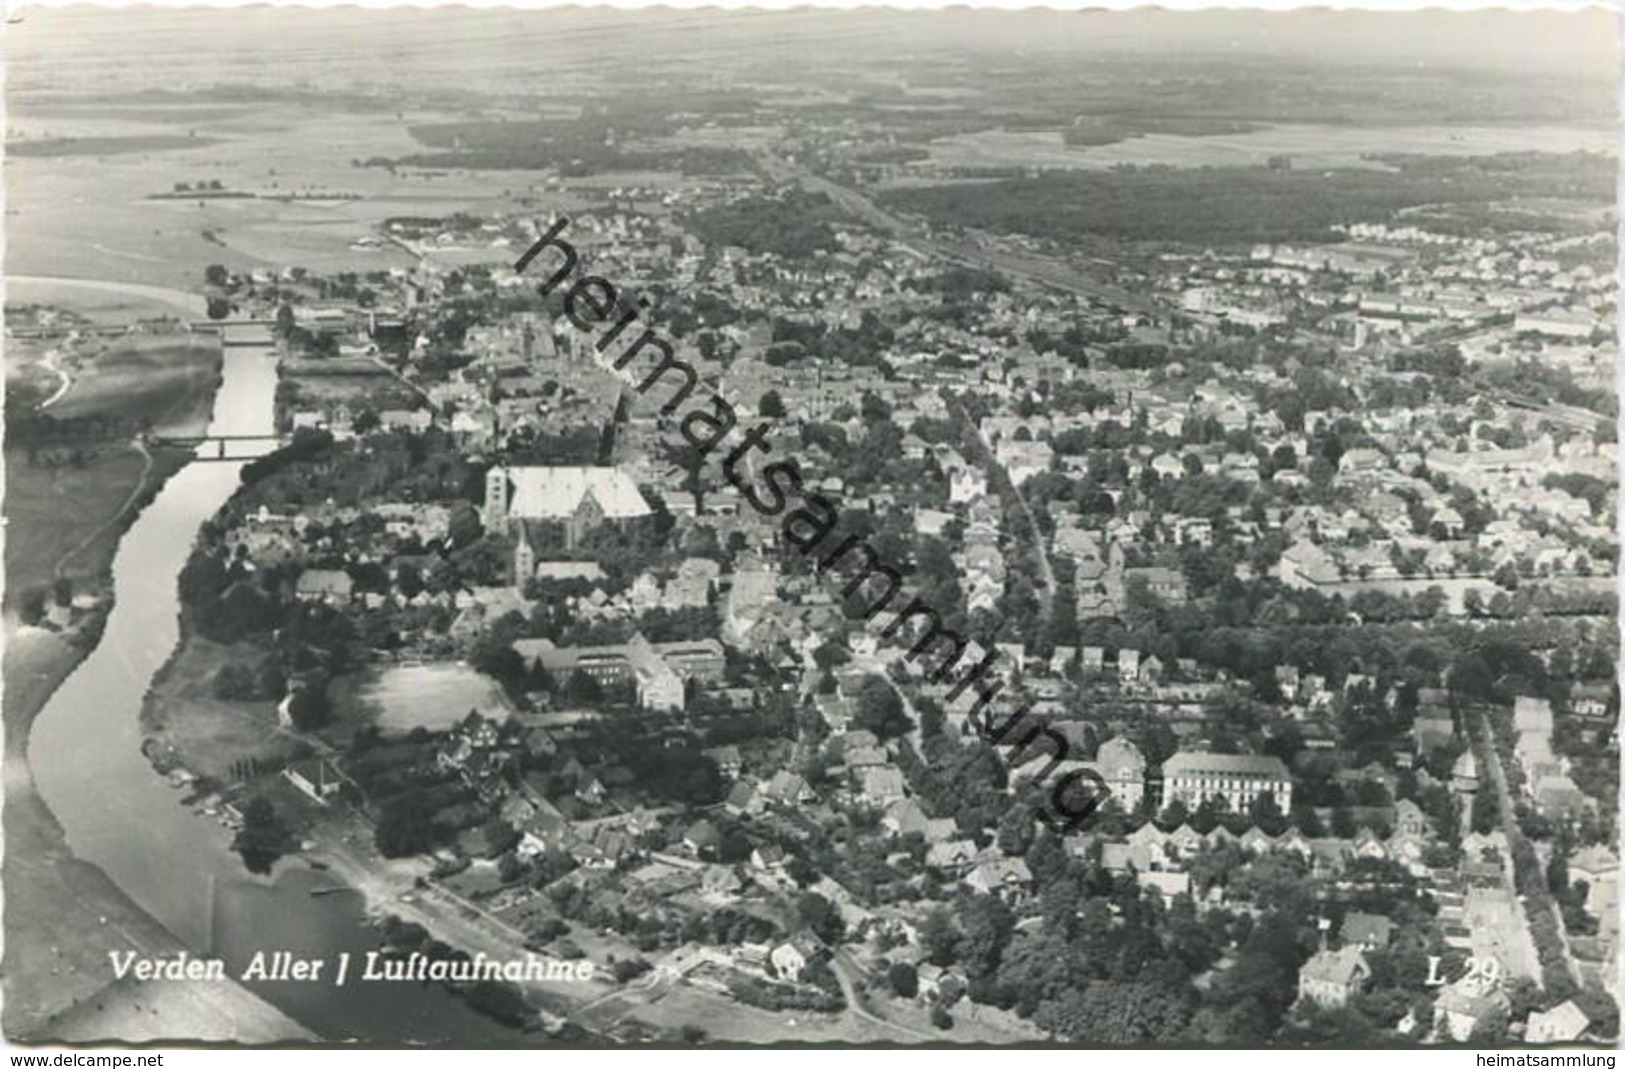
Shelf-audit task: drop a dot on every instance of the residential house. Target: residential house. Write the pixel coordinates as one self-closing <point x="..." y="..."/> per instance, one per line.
<point x="786" y="788"/>
<point x="1331" y="977"/>
<point x="881" y="785"/>
<point x="1007" y="877"/>
<point x="327" y="585"/>
<point x="727" y="760"/>
<point x="952" y="857"/>
<point x="316" y="778"/>
<point x="701" y="839"/>
<point x="1368" y="931"/>
<point x="788" y="960"/>
<point x="1563" y="1023"/>
<point x="1461" y="1006"/>
<point x="1121" y="764"/>
<point x="768" y="857"/>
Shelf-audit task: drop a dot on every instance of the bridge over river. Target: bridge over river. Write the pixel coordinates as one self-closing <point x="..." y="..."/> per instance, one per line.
<point x="217" y="447"/>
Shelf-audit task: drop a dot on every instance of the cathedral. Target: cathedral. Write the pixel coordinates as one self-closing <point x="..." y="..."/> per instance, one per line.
<point x="580" y="498"/>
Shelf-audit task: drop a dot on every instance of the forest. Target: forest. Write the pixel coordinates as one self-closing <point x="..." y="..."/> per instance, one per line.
<point x="1242" y="205"/>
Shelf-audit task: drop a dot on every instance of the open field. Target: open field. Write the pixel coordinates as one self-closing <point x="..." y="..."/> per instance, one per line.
<point x="186" y="724"/>
<point x="52" y="510"/>
<point x="433" y="696"/>
<point x="376" y="391"/>
<point x="1245" y="205"/>
<point x="167" y="380"/>
<point x="99" y="146"/>
<point x="39" y="111"/>
<point x="34" y="372"/>
<point x="67" y="519"/>
<point x="1456" y="590"/>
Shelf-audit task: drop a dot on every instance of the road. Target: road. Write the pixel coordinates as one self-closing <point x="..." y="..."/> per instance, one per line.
<point x="877" y="664"/>
<point x="1489" y="755"/>
<point x="846" y="967"/>
<point x="53" y="364"/>
<point x="999" y="477"/>
<point x="598" y="1004"/>
<point x="1019" y="265"/>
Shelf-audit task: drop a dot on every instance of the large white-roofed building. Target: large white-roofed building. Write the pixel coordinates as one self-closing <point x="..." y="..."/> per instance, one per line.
<point x="579" y="498"/>
<point x="1191" y="778"/>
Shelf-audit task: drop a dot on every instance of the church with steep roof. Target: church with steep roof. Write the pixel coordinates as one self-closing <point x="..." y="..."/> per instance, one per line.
<point x="580" y="498"/>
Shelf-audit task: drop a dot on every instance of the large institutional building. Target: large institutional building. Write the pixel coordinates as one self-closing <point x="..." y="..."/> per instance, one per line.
<point x="657" y="669"/>
<point x="1191" y="778"/>
<point x="580" y="498"/>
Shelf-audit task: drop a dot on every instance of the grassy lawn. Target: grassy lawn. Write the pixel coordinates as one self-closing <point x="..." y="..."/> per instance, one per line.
<point x="70" y="517"/>
<point x="432" y="696"/>
<point x="51" y="510"/>
<point x="186" y="723"/>
<point x="168" y="379"/>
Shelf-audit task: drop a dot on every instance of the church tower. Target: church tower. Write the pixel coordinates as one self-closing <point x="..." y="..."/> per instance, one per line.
<point x="564" y="341"/>
<point x="495" y="513"/>
<point x="587" y="515"/>
<point x="524" y="555"/>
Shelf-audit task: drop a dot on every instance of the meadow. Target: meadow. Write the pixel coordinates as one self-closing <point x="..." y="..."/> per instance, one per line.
<point x="431" y="696"/>
<point x="166" y="379"/>
<point x="184" y="723"/>
<point x="68" y="518"/>
<point x="101" y="146"/>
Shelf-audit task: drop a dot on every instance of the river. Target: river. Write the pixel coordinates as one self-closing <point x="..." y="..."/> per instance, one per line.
<point x="119" y="814"/>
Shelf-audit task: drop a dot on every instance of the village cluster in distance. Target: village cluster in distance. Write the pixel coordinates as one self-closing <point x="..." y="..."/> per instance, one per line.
<point x="1296" y="522"/>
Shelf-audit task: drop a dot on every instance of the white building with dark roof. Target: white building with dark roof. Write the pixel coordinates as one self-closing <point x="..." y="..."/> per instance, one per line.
<point x="1332" y="977"/>
<point x="1190" y="778"/>
<point x="1121" y="764"/>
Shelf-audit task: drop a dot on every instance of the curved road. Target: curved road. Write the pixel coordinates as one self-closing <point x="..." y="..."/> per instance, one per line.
<point x="53" y="363"/>
<point x="844" y="965"/>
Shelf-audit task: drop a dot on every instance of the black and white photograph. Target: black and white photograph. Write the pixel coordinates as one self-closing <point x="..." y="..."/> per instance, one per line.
<point x="568" y="527"/>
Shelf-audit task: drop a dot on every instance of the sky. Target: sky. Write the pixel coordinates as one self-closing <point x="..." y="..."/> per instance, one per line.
<point x="83" y="47"/>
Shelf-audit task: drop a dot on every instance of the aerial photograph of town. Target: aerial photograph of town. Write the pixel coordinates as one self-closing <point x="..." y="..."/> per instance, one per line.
<point x="580" y="527"/>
